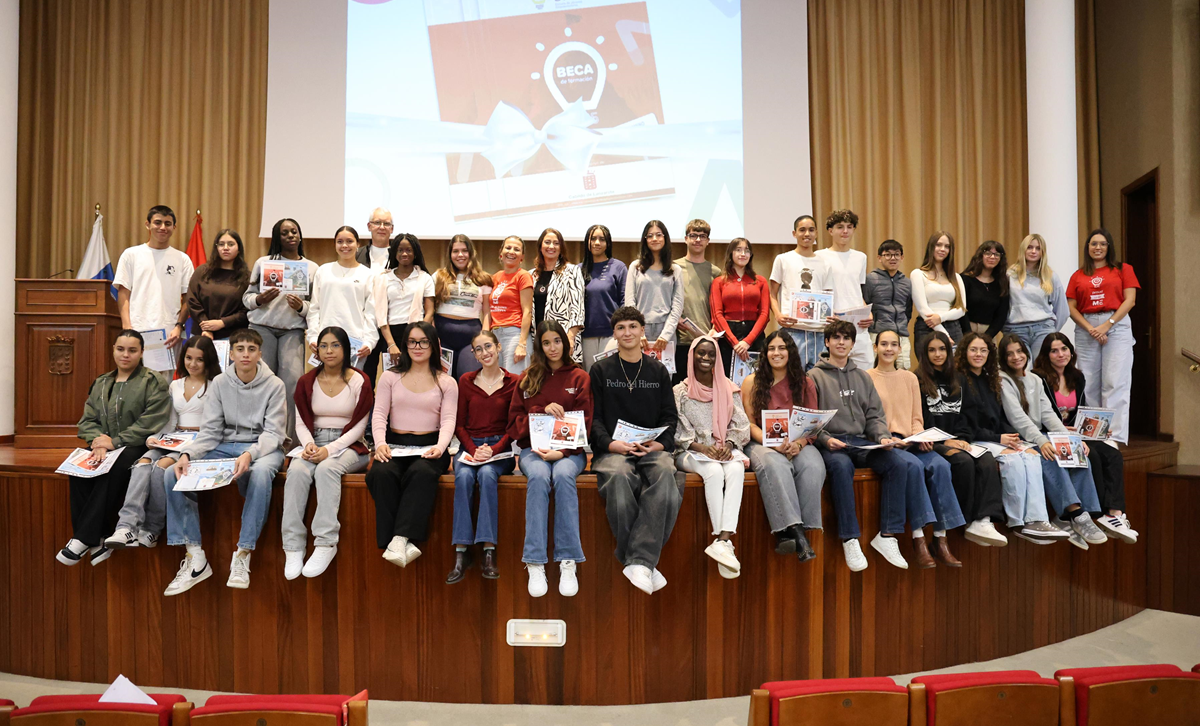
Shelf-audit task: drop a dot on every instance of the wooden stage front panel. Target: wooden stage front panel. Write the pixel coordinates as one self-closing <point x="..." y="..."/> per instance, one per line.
<point x="406" y="635"/>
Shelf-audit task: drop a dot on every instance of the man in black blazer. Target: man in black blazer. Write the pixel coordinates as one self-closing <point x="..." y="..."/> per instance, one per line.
<point x="375" y="254"/>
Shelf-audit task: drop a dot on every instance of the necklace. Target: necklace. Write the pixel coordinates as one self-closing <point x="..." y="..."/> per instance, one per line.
<point x="635" y="375"/>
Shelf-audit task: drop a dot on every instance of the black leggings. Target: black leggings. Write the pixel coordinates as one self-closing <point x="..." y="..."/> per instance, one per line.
<point x="405" y="490"/>
<point x="740" y="328"/>
<point x="1108" y="469"/>
<point x="976" y="483"/>
<point x="371" y="365"/>
<point x="96" y="501"/>
<point x="456" y="335"/>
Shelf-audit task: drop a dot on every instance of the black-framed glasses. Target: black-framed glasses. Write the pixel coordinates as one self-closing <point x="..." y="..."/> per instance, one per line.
<point x="422" y="344"/>
<point x="892" y="255"/>
<point x="697" y="236"/>
<point x="485" y="348"/>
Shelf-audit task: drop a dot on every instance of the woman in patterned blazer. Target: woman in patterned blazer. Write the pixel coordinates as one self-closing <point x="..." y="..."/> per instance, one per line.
<point x="558" y="289"/>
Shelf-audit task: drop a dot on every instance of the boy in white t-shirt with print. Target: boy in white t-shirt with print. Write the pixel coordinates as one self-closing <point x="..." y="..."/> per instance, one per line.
<point x="797" y="271"/>
<point x="847" y="270"/>
<point x="152" y="280"/>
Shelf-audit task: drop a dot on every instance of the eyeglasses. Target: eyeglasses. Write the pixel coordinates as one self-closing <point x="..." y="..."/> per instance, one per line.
<point x="655" y="235"/>
<point x="422" y="344"/>
<point x="892" y="255"/>
<point x="377" y="223"/>
<point x="697" y="237"/>
<point x="485" y="348"/>
<point x="991" y="253"/>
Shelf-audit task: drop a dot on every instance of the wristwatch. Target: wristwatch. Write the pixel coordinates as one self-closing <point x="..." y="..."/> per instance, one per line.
<point x="1111" y="321"/>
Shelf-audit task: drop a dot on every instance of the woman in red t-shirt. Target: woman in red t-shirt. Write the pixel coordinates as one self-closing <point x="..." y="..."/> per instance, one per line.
<point x="740" y="302"/>
<point x="1101" y="296"/>
<point x="512" y="305"/>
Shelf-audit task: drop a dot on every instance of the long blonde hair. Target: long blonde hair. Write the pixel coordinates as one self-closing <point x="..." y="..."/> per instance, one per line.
<point x="1044" y="273"/>
<point x="448" y="275"/>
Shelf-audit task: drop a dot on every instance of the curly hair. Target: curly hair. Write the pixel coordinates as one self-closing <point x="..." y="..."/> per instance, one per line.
<point x="448" y="275"/>
<point x="764" y="377"/>
<point x="999" y="272"/>
<point x="991" y="367"/>
<point x="563" y="258"/>
<point x="841" y="215"/>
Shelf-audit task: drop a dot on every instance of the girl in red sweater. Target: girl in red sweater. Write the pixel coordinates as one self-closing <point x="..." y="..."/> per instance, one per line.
<point x="740" y="302"/>
<point x="555" y="385"/>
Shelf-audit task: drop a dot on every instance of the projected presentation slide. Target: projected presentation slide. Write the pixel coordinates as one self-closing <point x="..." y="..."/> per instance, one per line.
<point x="495" y="117"/>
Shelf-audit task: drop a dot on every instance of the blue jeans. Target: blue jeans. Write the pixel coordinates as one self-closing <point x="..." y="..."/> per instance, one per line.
<point x="183" y="508"/>
<point x="1024" y="493"/>
<point x="487" y="478"/>
<point x="940" y="486"/>
<point x="542" y="476"/>
<point x="902" y="487"/>
<point x="810" y="344"/>
<point x="1065" y="487"/>
<point x="1032" y="335"/>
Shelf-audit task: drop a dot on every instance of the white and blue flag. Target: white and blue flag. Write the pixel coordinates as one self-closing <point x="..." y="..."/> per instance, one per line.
<point x="96" y="265"/>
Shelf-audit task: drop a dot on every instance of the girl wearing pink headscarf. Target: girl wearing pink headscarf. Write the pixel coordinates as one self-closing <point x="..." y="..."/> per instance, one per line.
<point x="712" y="430"/>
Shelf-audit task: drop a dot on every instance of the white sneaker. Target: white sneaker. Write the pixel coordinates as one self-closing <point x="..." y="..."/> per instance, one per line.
<point x="395" y="552"/>
<point x="855" y="559"/>
<point x="293" y="563"/>
<point x="1034" y="531"/>
<point x="984" y="533"/>
<point x="319" y="561"/>
<point x="72" y="553"/>
<point x="890" y="549"/>
<point x="641" y="577"/>
<point x="657" y="580"/>
<point x="147" y="539"/>
<point x="722" y="551"/>
<point x="1118" y="526"/>
<point x="1086" y="528"/>
<point x="537" y="580"/>
<point x="727" y="573"/>
<point x="122" y="538"/>
<point x="99" y="554"/>
<point x="239" y="570"/>
<point x="568" y="581"/>
<point x="411" y="553"/>
<point x="188" y="576"/>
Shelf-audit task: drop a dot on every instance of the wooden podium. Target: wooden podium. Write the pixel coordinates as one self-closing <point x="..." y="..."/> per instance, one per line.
<point x="65" y="332"/>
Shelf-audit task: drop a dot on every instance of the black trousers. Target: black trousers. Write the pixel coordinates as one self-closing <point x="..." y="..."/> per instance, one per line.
<point x="976" y="483"/>
<point x="1108" y="469"/>
<point x="96" y="501"/>
<point x="740" y="328"/>
<point x="371" y="364"/>
<point x="405" y="490"/>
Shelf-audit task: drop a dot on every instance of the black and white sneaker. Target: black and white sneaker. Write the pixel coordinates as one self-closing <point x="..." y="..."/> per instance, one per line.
<point x="187" y="577"/>
<point x="148" y="540"/>
<point x="72" y="553"/>
<point x="99" y="554"/>
<point x="122" y="538"/>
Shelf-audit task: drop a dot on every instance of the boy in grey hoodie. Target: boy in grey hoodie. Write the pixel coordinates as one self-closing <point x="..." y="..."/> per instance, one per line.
<point x="860" y="422"/>
<point x="244" y="419"/>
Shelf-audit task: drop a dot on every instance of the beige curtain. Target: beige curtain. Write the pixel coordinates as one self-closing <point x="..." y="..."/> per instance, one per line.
<point x="1086" y="118"/>
<point x="132" y="103"/>
<point x="918" y="120"/>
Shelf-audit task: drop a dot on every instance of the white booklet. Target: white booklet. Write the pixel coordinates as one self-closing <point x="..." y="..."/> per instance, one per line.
<point x="155" y="354"/>
<point x="175" y="440"/>
<point x="79" y="463"/>
<point x="695" y="331"/>
<point x="465" y="458"/>
<point x="290" y="276"/>
<point x="410" y="450"/>
<point x="122" y="690"/>
<point x="811" y="306"/>
<point x="776" y="425"/>
<point x="808" y="422"/>
<point x="206" y="474"/>
<point x="1094" y="423"/>
<point x="854" y="315"/>
<point x="929" y="436"/>
<point x="1068" y="450"/>
<point x="666" y="356"/>
<point x="355" y="344"/>
<point x="737" y="456"/>
<point x="222" y="347"/>
<point x="556" y="433"/>
<point x="602" y="355"/>
<point x="739" y="369"/>
<point x="631" y="434"/>
<point x="447" y="361"/>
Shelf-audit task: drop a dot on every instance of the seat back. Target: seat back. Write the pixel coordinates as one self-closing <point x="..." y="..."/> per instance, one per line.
<point x="1121" y="695"/>
<point x="286" y="710"/>
<point x="1002" y="697"/>
<point x="72" y="710"/>
<point x="830" y="702"/>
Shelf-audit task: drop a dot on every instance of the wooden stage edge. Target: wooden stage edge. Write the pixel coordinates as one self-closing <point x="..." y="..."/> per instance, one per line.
<point x="406" y="635"/>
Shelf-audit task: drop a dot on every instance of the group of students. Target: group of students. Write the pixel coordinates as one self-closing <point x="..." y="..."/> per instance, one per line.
<point x="964" y="385"/>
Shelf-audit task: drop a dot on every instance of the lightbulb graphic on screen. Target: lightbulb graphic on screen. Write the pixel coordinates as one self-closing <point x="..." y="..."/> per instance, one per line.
<point x="493" y="117"/>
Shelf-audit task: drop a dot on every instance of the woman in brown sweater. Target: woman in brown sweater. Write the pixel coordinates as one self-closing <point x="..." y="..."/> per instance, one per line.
<point x="215" y="292"/>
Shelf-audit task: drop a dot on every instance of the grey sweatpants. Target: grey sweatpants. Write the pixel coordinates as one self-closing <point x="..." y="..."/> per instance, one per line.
<point x="791" y="490"/>
<point x="642" y="501"/>
<point x="328" y="476"/>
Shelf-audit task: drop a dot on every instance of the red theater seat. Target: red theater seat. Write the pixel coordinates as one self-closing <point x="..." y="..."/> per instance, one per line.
<point x="1196" y="668"/>
<point x="1124" y="695"/>
<point x="74" y="709"/>
<point x="830" y="702"/>
<point x="299" y="710"/>
<point x="997" y="697"/>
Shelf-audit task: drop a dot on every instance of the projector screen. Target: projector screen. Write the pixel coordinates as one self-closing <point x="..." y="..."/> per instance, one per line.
<point x="498" y="117"/>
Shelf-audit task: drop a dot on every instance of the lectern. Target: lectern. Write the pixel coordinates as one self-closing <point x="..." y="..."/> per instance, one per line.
<point x="65" y="332"/>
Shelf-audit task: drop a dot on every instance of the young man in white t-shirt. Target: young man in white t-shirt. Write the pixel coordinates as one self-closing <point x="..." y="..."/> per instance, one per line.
<point x="375" y="254"/>
<point x="796" y="271"/>
<point x="847" y="270"/>
<point x="152" y="280"/>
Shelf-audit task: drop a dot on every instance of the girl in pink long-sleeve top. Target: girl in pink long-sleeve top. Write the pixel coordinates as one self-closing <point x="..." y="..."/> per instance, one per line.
<point x="415" y="408"/>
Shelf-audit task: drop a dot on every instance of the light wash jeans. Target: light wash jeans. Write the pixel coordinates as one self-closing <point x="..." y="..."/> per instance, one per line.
<point x="810" y="344"/>
<point x="790" y="490"/>
<point x="145" y="508"/>
<point x="1065" y="487"/>
<point x="723" y="484"/>
<point x="183" y="508"/>
<point x="509" y="337"/>
<point x="328" y="476"/>
<point x="1032" y="335"/>
<point x="284" y="352"/>
<point x="1023" y="493"/>
<point x="542" y="476"/>
<point x="487" y="479"/>
<point x="1106" y="369"/>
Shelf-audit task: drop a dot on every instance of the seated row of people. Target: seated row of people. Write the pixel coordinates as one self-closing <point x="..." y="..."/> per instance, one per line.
<point x="704" y="425"/>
